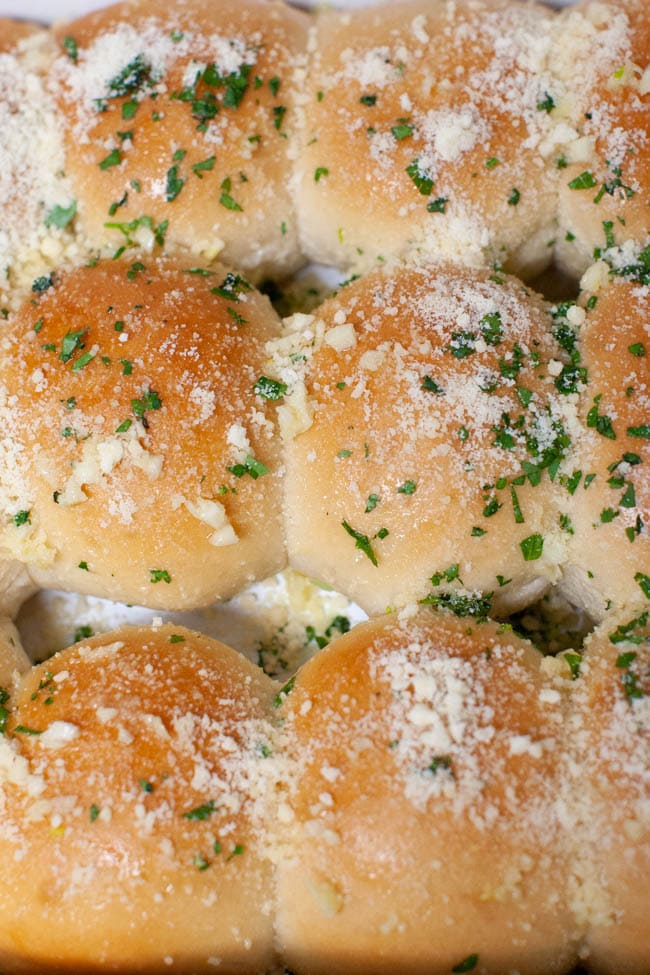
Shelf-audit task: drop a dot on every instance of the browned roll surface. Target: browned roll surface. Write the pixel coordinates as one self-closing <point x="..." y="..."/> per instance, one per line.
<point x="139" y="462"/>
<point x="419" y="829"/>
<point x="421" y="455"/>
<point x="181" y="114"/>
<point x="14" y="31"/>
<point x="133" y="799"/>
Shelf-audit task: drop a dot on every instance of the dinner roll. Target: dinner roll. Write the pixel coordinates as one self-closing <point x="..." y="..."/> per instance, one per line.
<point x="604" y="53"/>
<point x="133" y="796"/>
<point x="419" y="833"/>
<point x="176" y="120"/>
<point x="33" y="190"/>
<point x="139" y="457"/>
<point x="421" y="453"/>
<point x="609" y="738"/>
<point x="424" y="130"/>
<point x="609" y="486"/>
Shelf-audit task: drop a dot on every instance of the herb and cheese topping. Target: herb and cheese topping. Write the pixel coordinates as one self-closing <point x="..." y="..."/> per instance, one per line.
<point x="131" y="421"/>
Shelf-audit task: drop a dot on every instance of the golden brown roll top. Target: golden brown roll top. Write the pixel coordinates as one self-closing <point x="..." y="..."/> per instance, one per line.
<point x="133" y="797"/>
<point x="139" y="454"/>
<point x="177" y="122"/>
<point x="423" y="130"/>
<point x="609" y="741"/>
<point x="424" y="450"/>
<point x="609" y="485"/>
<point x="12" y="32"/>
<point x="603" y="56"/>
<point x="419" y="830"/>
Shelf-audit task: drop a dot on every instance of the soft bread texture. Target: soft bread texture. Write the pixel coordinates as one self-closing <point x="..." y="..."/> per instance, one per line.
<point x="610" y="746"/>
<point x="421" y="830"/>
<point x="32" y="180"/>
<point x="416" y="383"/>
<point x="421" y="133"/>
<point x="182" y="114"/>
<point x="487" y="132"/>
<point x="603" y="53"/>
<point x="609" y="550"/>
<point x="428" y="794"/>
<point x="131" y="823"/>
<point x="138" y="462"/>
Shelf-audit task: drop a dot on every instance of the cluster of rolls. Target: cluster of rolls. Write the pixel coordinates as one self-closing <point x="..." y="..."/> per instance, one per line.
<point x="424" y="796"/>
<point x="430" y="430"/>
<point x="488" y="132"/>
<point x="436" y="440"/>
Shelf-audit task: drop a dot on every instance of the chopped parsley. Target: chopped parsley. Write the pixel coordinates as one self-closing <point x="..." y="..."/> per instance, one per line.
<point x="112" y="159"/>
<point x="284" y="691"/>
<point x="205" y="166"/>
<point x="644" y="582"/>
<point x="419" y="176"/>
<point x="231" y="287"/>
<point x="431" y="386"/>
<point x="254" y="468"/>
<point x="467" y="964"/>
<point x="408" y="487"/>
<point x="70" y="47"/>
<point x="474" y="605"/>
<point x="439" y="205"/>
<point x="39" y="285"/>
<point x="61" y="216"/>
<point x="149" y="401"/>
<point x="600" y="422"/>
<point x="270" y="389"/>
<point x="159" y="575"/>
<point x="226" y="200"/>
<point x="401" y="131"/>
<point x="642" y="432"/>
<point x="202" y="812"/>
<point x="362" y="542"/>
<point x="585" y="181"/>
<point x="546" y="104"/>
<point x="22" y="518"/>
<point x="174" y="184"/>
<point x="532" y="547"/>
<point x="574" y="660"/>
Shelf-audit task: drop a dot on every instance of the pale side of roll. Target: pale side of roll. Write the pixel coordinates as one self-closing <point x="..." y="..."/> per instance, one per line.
<point x="602" y="53"/>
<point x="609" y="746"/>
<point x="608" y="488"/>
